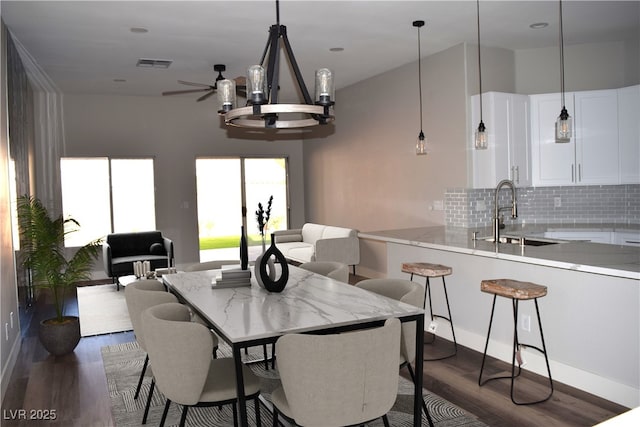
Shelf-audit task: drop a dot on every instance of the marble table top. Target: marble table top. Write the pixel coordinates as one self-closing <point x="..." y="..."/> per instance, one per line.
<point x="309" y="302"/>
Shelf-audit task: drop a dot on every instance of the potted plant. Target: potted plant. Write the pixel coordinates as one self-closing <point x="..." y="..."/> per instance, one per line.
<point x="43" y="253"/>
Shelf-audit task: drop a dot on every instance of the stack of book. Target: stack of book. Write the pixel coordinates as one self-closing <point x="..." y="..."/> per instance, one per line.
<point x="232" y="278"/>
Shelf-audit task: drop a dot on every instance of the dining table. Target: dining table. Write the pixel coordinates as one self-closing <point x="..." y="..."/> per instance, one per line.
<point x="247" y="316"/>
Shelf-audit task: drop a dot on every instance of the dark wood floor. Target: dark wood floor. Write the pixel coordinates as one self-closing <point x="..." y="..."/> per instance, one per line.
<point x="75" y="386"/>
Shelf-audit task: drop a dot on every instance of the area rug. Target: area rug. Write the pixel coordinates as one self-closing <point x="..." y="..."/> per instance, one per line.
<point x="123" y="363"/>
<point x="102" y="310"/>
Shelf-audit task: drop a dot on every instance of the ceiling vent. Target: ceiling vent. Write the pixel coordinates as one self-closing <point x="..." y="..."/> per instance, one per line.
<point x="154" y="63"/>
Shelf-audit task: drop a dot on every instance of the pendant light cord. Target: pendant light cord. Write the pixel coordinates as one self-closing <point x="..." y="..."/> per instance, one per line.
<point x="420" y="78"/>
<point x="561" y="57"/>
<point x="479" y="63"/>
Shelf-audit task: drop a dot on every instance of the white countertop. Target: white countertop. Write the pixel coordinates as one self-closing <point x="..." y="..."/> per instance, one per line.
<point x="598" y="258"/>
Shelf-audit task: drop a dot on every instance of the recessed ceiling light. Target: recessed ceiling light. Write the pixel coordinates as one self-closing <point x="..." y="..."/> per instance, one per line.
<point x="138" y="30"/>
<point x="539" y="25"/>
<point x="119" y="80"/>
<point x="336" y="49"/>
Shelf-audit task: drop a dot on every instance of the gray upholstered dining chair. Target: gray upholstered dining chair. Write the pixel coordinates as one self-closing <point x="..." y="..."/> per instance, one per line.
<point x="139" y="296"/>
<point x="184" y="371"/>
<point x="335" y="270"/>
<point x="317" y="391"/>
<point x="211" y="265"/>
<point x="411" y="293"/>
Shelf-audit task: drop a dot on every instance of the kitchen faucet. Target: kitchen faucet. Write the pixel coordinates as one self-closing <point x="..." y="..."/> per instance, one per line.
<point x="497" y="208"/>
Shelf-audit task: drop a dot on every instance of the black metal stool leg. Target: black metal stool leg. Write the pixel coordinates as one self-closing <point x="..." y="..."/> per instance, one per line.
<point x="448" y="319"/>
<point x="517" y="345"/>
<point x="486" y="345"/>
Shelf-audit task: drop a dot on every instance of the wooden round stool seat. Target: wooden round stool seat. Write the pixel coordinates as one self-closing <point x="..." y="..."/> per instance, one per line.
<point x="426" y="269"/>
<point x="513" y="289"/>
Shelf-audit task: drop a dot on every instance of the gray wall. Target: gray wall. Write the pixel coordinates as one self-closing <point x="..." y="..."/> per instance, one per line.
<point x="587" y="67"/>
<point x="173" y="130"/>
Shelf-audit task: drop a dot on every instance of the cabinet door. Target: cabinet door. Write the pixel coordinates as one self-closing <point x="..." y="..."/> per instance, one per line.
<point x="596" y="125"/>
<point x="506" y="117"/>
<point x="519" y="143"/>
<point x="552" y="164"/>
<point x="629" y="134"/>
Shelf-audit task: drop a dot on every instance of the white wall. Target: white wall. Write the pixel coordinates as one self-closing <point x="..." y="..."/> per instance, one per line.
<point x="174" y="130"/>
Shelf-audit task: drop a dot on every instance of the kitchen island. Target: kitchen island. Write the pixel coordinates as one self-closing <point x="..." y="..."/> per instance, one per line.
<point x="590" y="316"/>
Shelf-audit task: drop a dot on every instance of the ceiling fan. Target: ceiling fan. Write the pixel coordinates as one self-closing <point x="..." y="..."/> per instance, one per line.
<point x="241" y="86"/>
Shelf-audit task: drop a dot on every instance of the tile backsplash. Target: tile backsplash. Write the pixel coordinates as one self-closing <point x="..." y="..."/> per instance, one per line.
<point x="597" y="204"/>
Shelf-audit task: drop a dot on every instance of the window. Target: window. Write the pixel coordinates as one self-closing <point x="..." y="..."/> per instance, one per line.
<point x="224" y="186"/>
<point x="107" y="195"/>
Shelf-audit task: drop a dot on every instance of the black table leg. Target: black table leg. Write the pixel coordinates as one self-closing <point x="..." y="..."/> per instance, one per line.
<point x="417" y="400"/>
<point x="242" y="400"/>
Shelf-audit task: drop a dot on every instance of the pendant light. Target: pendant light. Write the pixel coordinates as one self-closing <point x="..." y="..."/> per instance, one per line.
<point x="563" y="124"/>
<point x="421" y="143"/>
<point x="263" y="111"/>
<point x="480" y="141"/>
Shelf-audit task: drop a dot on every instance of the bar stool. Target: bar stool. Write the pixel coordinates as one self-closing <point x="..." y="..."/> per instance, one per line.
<point x="516" y="291"/>
<point x="428" y="270"/>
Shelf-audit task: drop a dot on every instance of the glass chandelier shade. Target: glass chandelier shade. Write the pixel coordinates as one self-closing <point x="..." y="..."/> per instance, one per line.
<point x="256" y="85"/>
<point x="421" y="144"/>
<point x="325" y="88"/>
<point x="563" y="126"/>
<point x="481" y="138"/>
<point x="226" y="95"/>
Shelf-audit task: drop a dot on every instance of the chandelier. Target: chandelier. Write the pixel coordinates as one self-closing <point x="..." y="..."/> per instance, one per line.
<point x="263" y="109"/>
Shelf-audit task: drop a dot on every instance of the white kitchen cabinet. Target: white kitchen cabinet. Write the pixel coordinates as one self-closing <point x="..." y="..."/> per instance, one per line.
<point x="508" y="156"/>
<point x="596" y="126"/>
<point x="629" y="134"/>
<point x="591" y="156"/>
<point x="551" y="163"/>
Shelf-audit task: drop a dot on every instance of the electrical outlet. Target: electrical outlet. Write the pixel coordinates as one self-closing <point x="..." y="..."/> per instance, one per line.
<point x="433" y="327"/>
<point x="481" y="206"/>
<point x="557" y="202"/>
<point x="438" y="205"/>
<point x="525" y="323"/>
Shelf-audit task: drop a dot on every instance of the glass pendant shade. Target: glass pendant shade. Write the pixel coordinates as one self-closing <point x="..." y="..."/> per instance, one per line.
<point x="421" y="144"/>
<point x="256" y="84"/>
<point x="325" y="89"/>
<point x="563" y="126"/>
<point x="481" y="141"/>
<point x="226" y="95"/>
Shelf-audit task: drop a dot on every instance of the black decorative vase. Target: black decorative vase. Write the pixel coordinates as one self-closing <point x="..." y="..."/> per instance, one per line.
<point x="244" y="250"/>
<point x="265" y="273"/>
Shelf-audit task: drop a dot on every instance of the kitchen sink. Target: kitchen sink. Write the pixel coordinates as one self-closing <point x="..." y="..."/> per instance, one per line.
<point x="516" y="240"/>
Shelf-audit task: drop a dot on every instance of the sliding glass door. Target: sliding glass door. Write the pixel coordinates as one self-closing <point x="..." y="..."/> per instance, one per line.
<point x="226" y="187"/>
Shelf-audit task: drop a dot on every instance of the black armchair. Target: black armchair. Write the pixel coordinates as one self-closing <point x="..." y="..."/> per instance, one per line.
<point x="121" y="250"/>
